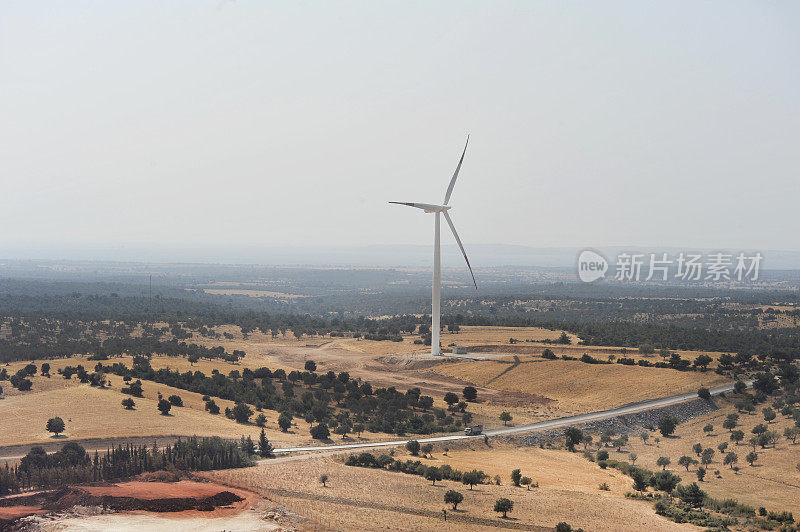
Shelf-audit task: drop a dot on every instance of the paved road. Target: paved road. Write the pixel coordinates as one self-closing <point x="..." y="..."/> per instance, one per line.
<point x="542" y="425"/>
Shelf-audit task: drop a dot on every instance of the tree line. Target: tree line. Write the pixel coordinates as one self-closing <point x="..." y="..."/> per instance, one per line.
<point x="72" y="464"/>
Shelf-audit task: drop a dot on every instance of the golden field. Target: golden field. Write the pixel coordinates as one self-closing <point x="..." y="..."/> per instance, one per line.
<point x="575" y="386"/>
<point x="369" y="499"/>
<point x="773" y="481"/>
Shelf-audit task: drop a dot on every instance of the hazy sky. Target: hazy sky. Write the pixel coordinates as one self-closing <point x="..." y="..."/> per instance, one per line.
<point x="229" y="122"/>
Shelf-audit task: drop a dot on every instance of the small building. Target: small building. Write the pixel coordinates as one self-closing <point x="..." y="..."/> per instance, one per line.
<point x="459" y="350"/>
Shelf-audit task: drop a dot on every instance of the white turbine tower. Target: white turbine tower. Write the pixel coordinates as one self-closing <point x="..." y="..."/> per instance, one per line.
<point x="437" y="266"/>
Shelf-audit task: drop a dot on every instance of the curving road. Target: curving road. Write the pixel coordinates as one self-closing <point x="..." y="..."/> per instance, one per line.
<point x="541" y="425"/>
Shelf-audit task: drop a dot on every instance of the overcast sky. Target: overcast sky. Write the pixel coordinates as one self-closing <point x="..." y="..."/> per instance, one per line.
<point x="260" y="123"/>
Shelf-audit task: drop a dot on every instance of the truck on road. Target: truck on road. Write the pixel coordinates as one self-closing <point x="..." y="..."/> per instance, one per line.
<point x="473" y="430"/>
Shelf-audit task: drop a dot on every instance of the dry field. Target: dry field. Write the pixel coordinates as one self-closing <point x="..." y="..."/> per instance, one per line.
<point x="368" y="499"/>
<point x="773" y="481"/>
<point x="553" y="389"/>
<point x="575" y="386"/>
<point x="533" y="390"/>
<point x="97" y="413"/>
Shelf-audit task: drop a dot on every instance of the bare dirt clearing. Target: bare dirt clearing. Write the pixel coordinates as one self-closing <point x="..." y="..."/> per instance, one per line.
<point x="188" y="505"/>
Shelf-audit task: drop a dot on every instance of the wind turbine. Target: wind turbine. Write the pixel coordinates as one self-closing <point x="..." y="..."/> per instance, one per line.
<point x="437" y="266"/>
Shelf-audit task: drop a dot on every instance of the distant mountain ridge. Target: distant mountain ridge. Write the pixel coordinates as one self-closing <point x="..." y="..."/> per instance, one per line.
<point x="382" y="255"/>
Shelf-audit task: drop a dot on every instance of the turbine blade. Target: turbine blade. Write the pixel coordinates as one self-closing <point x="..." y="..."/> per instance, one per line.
<point x="455" y="175"/>
<point x="458" y="240"/>
<point x="417" y="205"/>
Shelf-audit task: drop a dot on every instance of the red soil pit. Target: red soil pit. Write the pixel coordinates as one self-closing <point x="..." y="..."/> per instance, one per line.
<point x="176" y="490"/>
<point x="159" y="490"/>
<point x="15" y="512"/>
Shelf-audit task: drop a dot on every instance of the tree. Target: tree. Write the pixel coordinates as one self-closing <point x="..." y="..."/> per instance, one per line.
<point x="722" y="446"/>
<point x="453" y="497"/>
<point x="790" y="433"/>
<point x="212" y="407"/>
<point x="320" y="432"/>
<point x="772" y="437"/>
<point x="739" y="387"/>
<point x="55" y="425"/>
<point x="505" y="417"/>
<point x="164" y="406"/>
<point x="737" y="436"/>
<point x="751" y="457"/>
<point x="248" y="446"/>
<point x="691" y="495"/>
<point x="425" y="402"/>
<point x="128" y="403"/>
<point x="45" y="369"/>
<point x="573" y="436"/>
<point x="632" y="457"/>
<point x="433" y="474"/>
<point x="645" y="436"/>
<point x="426" y="449"/>
<point x="664" y="481"/>
<point x="285" y="421"/>
<point x="730" y="459"/>
<point x="526" y="481"/>
<point x="134" y="389"/>
<point x="707" y="456"/>
<point x="704" y="393"/>
<point x="686" y="461"/>
<point x="663" y="461"/>
<point x="516" y="476"/>
<point x="503" y="505"/>
<point x="769" y="414"/>
<point x="702" y="362"/>
<point x="193" y="359"/>
<point x="310" y="365"/>
<point x="639" y="479"/>
<point x="470" y="393"/>
<point x="358" y="428"/>
<point x="413" y="447"/>
<point x="323" y="479"/>
<point x="471" y="478"/>
<point x="697" y="448"/>
<point x="729" y="423"/>
<point x="708" y="429"/>
<point x="241" y="412"/>
<point x="175" y="400"/>
<point x="667" y="425"/>
<point x="264" y="447"/>
<point x="701" y="473"/>
<point x="261" y="420"/>
<point x="450" y="398"/>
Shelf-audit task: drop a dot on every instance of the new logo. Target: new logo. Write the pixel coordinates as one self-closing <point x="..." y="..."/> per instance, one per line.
<point x="591" y="266"/>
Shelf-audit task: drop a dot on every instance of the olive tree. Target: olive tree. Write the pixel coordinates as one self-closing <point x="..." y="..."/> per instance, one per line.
<point x="503" y="505"/>
<point x="453" y="497"/>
